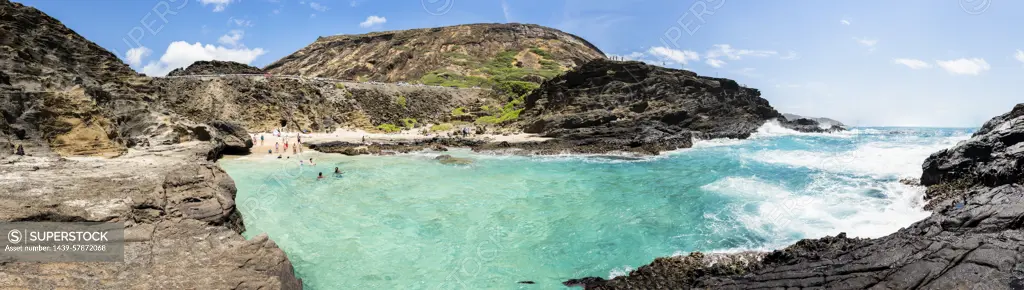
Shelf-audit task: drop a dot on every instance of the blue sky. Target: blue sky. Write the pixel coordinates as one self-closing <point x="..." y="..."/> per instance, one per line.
<point x="868" y="63"/>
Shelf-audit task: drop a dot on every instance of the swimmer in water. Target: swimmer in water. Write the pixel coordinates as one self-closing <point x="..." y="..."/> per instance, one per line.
<point x="321" y="176"/>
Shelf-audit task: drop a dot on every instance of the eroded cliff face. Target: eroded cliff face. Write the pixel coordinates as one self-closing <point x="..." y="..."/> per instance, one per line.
<point x="459" y="51"/>
<point x="631" y="106"/>
<point x="974" y="238"/>
<point x="63" y="97"/>
<point x="260" y="104"/>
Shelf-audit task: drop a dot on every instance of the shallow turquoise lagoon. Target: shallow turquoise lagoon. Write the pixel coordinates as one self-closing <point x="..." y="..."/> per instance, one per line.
<point x="408" y="222"/>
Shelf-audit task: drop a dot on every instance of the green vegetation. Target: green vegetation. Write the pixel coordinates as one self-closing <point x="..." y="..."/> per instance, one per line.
<point x="541" y="52"/>
<point x="507" y="113"/>
<point x="409" y="123"/>
<point x="550" y="65"/>
<point x="389" y="128"/>
<point x="452" y="79"/>
<point x="339" y="86"/>
<point x="460" y="111"/>
<point x="516" y="88"/>
<point x="499" y="73"/>
<point x="441" y="127"/>
<point x="401" y="101"/>
<point x="610" y="72"/>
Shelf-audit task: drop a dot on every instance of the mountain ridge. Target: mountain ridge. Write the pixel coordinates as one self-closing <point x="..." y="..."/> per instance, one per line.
<point x="460" y="54"/>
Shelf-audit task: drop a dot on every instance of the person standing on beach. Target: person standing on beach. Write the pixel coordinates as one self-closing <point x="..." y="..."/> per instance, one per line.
<point x="261" y="139"/>
<point x="286" y="146"/>
<point x="294" y="151"/>
<point x="276" y="147"/>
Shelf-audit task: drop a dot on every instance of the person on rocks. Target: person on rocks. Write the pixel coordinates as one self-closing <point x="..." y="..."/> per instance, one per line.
<point x="20" y="151"/>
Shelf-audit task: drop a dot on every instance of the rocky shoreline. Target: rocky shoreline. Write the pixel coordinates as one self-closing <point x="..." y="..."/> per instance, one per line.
<point x="100" y="147"/>
<point x="974" y="238"/>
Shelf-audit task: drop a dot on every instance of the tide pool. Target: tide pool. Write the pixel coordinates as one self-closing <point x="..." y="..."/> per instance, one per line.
<point x="410" y="222"/>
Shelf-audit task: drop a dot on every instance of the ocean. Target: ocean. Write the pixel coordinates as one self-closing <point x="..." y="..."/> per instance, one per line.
<point x="409" y="222"/>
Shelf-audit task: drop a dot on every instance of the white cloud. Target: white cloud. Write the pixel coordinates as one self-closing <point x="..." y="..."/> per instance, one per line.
<point x="869" y="43"/>
<point x="317" y="6"/>
<point x="276" y="11"/>
<point x="677" y="56"/>
<point x="218" y="5"/>
<point x="790" y="56"/>
<point x="963" y="66"/>
<point x="845" y="22"/>
<point x="312" y="15"/>
<point x="240" y="22"/>
<point x="715" y="62"/>
<point x="181" y="54"/>
<point x="505" y="10"/>
<point x="727" y="51"/>
<point x="372" y="20"/>
<point x="232" y="39"/>
<point x="808" y="85"/>
<point x="135" y="55"/>
<point x="747" y="71"/>
<point x="912" y="63"/>
<point x="1019" y="56"/>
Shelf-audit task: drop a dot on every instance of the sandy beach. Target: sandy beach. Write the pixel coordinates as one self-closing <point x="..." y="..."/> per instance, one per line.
<point x="266" y="147"/>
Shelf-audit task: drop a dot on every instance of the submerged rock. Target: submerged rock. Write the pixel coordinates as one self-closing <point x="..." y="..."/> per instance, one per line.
<point x="448" y="159"/>
<point x="810" y="126"/>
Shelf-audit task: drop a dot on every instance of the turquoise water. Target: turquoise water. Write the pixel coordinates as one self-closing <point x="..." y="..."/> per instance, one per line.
<point x="409" y="222"/>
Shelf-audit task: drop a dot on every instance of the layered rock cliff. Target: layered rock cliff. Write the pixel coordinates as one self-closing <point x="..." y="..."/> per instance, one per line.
<point x="974" y="238"/>
<point x="261" y="104"/>
<point x="62" y="97"/>
<point x="631" y="106"/>
<point x="215" y="67"/>
<point x="471" y="54"/>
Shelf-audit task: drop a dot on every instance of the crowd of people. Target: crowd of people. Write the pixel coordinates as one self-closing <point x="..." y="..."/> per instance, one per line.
<point x="282" y="145"/>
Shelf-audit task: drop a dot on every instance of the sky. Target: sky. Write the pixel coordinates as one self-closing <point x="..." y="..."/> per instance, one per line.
<point x="949" y="63"/>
